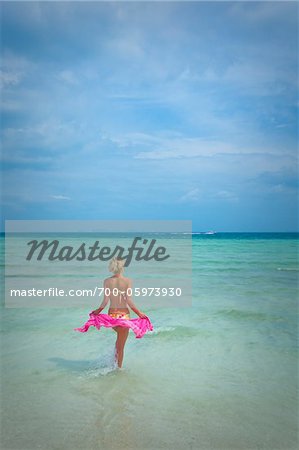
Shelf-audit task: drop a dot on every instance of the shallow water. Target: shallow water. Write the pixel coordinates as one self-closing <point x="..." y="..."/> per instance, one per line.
<point x="219" y="375"/>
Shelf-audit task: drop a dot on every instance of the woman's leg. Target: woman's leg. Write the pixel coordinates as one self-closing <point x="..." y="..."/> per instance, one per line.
<point x="122" y="335"/>
<point x="115" y="349"/>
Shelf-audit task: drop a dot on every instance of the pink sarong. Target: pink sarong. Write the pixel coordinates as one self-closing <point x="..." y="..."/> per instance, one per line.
<point x="139" y="326"/>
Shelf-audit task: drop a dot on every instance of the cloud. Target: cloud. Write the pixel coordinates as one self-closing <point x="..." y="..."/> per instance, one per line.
<point x="226" y="195"/>
<point x="191" y="147"/>
<point x="67" y="76"/>
<point x="60" y="197"/>
<point x="208" y="194"/>
<point x="265" y="12"/>
<point x="10" y="78"/>
<point x="284" y="181"/>
<point x="42" y="139"/>
<point x="14" y="68"/>
<point x="191" y="196"/>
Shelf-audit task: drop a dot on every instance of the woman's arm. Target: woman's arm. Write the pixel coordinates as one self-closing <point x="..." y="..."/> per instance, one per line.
<point x="105" y="300"/>
<point x="131" y="304"/>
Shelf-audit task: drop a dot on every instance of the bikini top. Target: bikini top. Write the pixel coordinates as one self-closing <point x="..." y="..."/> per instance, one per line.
<point x="123" y="295"/>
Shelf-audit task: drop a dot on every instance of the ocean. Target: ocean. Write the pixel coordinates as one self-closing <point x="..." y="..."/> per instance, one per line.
<point x="221" y="374"/>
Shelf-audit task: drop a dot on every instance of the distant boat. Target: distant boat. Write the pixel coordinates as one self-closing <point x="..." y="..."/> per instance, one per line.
<point x="210" y="232"/>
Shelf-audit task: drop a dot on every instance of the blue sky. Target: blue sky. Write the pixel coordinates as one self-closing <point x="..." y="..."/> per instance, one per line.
<point x="151" y="111"/>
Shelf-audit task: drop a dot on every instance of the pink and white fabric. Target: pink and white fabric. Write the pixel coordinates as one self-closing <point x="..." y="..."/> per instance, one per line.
<point x="138" y="325"/>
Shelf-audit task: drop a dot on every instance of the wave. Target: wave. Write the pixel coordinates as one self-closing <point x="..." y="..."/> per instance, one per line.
<point x="169" y="332"/>
<point x="293" y="269"/>
<point x="102" y="366"/>
<point x="248" y="315"/>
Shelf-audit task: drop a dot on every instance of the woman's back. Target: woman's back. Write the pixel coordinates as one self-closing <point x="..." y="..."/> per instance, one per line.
<point x="116" y="291"/>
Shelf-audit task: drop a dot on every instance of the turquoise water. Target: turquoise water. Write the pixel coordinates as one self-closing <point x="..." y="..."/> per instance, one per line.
<point x="220" y="375"/>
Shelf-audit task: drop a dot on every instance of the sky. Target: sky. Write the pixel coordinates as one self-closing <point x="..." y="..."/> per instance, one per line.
<point x="151" y="110"/>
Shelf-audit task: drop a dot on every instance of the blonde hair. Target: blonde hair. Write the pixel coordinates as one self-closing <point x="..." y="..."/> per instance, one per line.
<point x="116" y="265"/>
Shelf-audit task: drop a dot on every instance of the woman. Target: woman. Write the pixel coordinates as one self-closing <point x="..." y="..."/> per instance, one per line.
<point x="118" y="289"/>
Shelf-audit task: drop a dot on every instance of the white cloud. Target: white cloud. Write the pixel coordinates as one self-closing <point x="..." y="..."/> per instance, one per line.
<point x="10" y="78"/>
<point x="13" y="68"/>
<point x="226" y="195"/>
<point x="68" y="77"/>
<point x="127" y="46"/>
<point x="60" y="197"/>
<point x="187" y="147"/>
<point x="10" y="105"/>
<point x="46" y="136"/>
<point x="191" y="196"/>
<point x="195" y="194"/>
<point x="263" y="11"/>
<point x="279" y="189"/>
